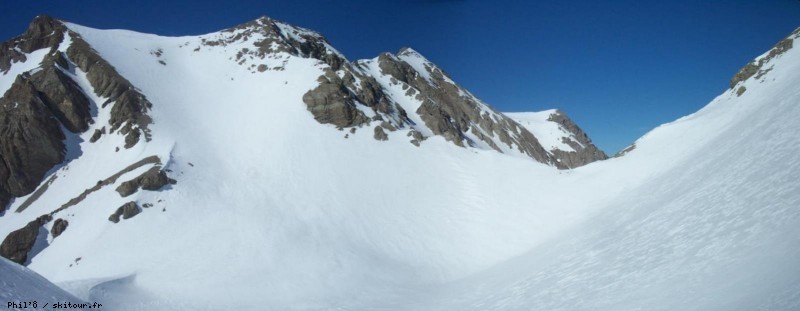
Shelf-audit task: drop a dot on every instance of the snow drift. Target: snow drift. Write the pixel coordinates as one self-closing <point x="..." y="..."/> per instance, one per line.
<point x="21" y="287"/>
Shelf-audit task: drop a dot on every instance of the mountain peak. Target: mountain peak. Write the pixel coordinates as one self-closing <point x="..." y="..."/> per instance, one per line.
<point x="43" y="26"/>
<point x="42" y="22"/>
<point x="415" y="58"/>
<point x="408" y="51"/>
<point x="42" y="32"/>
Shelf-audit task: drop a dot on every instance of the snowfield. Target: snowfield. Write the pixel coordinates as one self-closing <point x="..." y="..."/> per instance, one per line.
<point x="21" y="287"/>
<point x="275" y="211"/>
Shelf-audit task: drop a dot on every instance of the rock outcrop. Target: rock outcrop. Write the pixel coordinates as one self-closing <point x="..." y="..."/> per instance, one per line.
<point x="18" y="244"/>
<point x="40" y="101"/>
<point x="584" y="151"/>
<point x="451" y="111"/>
<point x="43" y="32"/>
<point x="331" y="103"/>
<point x="31" y="141"/>
<point x="63" y="97"/>
<point x="129" y="110"/>
<point x="59" y="226"/>
<point x="379" y="134"/>
<point x="153" y="179"/>
<point x="757" y="66"/>
<point x="125" y="211"/>
<point x="351" y="94"/>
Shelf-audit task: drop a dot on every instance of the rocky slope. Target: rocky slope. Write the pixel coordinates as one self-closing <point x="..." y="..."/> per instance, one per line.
<point x="566" y="142"/>
<point x="43" y="105"/>
<point x="388" y="93"/>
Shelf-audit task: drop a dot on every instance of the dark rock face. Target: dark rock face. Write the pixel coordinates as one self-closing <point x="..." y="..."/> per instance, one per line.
<point x="380" y="134"/>
<point x="586" y="152"/>
<point x="331" y="103"/>
<point x="129" y="113"/>
<point x="4" y="200"/>
<point x="452" y="112"/>
<point x="43" y="32"/>
<point x="97" y="134"/>
<point x="63" y="97"/>
<point x="153" y="179"/>
<point x="127" y="210"/>
<point x="18" y="244"/>
<point x="334" y="100"/>
<point x="31" y="141"/>
<point x="58" y="227"/>
<point x="32" y="110"/>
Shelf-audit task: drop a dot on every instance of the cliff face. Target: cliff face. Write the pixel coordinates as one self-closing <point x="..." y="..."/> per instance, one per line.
<point x="45" y="103"/>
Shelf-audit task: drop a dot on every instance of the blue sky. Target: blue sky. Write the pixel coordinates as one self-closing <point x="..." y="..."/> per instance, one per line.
<point x="618" y="68"/>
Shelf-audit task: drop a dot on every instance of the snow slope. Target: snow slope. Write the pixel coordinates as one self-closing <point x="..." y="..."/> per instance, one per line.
<point x="33" y="60"/>
<point x="550" y="134"/>
<point x="712" y="226"/>
<point x="273" y="210"/>
<point x="20" y="285"/>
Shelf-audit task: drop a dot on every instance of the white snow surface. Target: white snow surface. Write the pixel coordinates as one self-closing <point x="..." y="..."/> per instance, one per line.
<point x="31" y="62"/>
<point x="23" y="286"/>
<point x="274" y="211"/>
<point x="550" y="134"/>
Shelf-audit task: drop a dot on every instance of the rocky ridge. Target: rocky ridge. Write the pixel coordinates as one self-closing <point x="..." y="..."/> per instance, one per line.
<point x="47" y="105"/>
<point x="358" y="94"/>
<point x="565" y="140"/>
<point x="584" y="151"/>
<point x="42" y="101"/>
<point x="757" y="67"/>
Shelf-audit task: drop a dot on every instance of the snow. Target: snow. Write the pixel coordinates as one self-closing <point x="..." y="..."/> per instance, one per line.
<point x="32" y="61"/>
<point x="279" y="212"/>
<point x="397" y="92"/>
<point x="419" y="63"/>
<point x="298" y="33"/>
<point x="549" y="134"/>
<point x="21" y="284"/>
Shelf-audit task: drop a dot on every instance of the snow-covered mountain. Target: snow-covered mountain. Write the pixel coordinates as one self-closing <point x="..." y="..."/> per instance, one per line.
<point x="561" y="137"/>
<point x="257" y="168"/>
<point x="21" y="287"/>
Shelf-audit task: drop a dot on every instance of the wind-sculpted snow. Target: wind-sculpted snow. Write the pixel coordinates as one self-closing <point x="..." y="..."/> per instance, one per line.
<point x="22" y="286"/>
<point x="368" y="201"/>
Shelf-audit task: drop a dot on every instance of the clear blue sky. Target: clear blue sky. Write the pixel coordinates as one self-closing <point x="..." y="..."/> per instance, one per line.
<point x="618" y="68"/>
